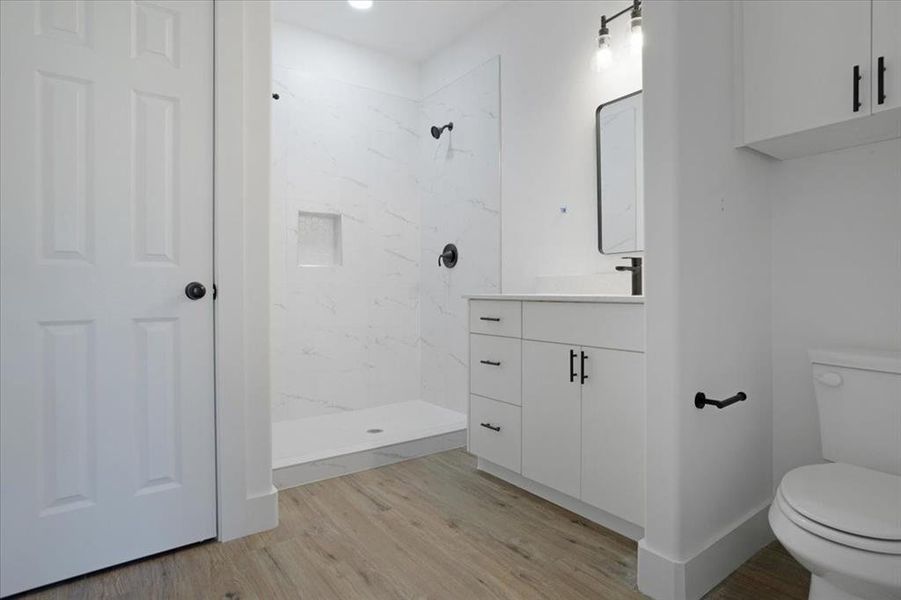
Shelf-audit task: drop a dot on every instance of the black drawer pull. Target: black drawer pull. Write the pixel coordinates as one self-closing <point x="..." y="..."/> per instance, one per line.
<point x="495" y="319"/>
<point x="490" y="426"/>
<point x="880" y="81"/>
<point x="701" y="400"/>
<point x="490" y="362"/>
<point x="856" y="101"/>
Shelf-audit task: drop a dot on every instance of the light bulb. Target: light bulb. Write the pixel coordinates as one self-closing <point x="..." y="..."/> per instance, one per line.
<point x="360" y="4"/>
<point x="603" y="56"/>
<point x="637" y="37"/>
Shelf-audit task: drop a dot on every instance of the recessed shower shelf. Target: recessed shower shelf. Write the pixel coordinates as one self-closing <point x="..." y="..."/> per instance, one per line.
<point x="318" y="239"/>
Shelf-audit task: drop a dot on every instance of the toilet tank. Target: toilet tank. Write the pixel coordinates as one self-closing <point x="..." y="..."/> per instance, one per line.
<point x="859" y="400"/>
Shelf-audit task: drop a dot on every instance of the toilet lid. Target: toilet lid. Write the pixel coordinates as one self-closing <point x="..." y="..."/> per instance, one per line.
<point x="851" y="499"/>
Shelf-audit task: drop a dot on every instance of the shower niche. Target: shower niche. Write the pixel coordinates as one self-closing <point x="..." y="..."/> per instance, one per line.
<point x="318" y="239"/>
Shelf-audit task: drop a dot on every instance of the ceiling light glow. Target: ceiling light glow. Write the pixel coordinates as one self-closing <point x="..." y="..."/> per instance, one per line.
<point x="360" y="4"/>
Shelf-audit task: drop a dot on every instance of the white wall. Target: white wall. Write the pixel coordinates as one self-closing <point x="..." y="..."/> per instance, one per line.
<point x="836" y="277"/>
<point x="346" y="141"/>
<point x="248" y="502"/>
<point x="548" y="96"/>
<point x="319" y="55"/>
<point x="351" y="137"/>
<point x="754" y="262"/>
<point x="345" y="335"/>
<point x="708" y="310"/>
<point x="460" y="189"/>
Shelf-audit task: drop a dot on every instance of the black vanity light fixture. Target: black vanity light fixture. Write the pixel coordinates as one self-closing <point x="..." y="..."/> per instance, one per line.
<point x="603" y="56"/>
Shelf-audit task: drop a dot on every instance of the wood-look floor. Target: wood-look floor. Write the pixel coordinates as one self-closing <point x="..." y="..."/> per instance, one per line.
<point x="427" y="528"/>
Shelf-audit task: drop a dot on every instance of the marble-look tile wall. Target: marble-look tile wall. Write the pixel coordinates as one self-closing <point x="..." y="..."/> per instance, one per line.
<point x="381" y="323"/>
<point x="460" y="183"/>
<point x="346" y="335"/>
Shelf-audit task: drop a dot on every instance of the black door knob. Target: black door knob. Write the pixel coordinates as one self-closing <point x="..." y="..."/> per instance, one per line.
<point x="195" y="290"/>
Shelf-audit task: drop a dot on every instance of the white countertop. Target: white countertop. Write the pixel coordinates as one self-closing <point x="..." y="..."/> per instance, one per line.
<point x="559" y="298"/>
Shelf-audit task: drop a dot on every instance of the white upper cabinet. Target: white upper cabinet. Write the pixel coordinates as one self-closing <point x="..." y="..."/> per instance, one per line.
<point x="799" y="60"/>
<point x="807" y="74"/>
<point x="886" y="80"/>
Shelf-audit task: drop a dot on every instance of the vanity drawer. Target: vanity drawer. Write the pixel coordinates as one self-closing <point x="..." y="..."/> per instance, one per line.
<point x="618" y="326"/>
<point x="494" y="432"/>
<point x="496" y="317"/>
<point x="495" y="367"/>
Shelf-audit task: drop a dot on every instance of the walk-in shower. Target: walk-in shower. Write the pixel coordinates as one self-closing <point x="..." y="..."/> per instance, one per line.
<point x="369" y="342"/>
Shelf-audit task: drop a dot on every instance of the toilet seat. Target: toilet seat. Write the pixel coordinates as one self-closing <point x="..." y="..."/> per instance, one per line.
<point x="846" y="504"/>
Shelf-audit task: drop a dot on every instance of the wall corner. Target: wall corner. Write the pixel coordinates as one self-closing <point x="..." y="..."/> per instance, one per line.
<point x="247" y="500"/>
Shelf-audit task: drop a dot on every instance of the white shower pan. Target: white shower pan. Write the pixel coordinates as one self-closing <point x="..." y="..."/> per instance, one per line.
<point x="317" y="448"/>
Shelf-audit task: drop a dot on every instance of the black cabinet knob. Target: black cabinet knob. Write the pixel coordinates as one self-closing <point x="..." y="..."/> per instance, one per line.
<point x="195" y="290"/>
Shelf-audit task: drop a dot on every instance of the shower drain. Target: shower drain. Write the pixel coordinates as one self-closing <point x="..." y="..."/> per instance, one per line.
<point x="374" y="430"/>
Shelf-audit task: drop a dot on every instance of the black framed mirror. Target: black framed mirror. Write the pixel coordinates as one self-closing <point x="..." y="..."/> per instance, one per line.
<point x="618" y="127"/>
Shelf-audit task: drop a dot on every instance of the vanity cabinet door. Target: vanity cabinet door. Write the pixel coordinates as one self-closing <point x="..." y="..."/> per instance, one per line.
<point x="551" y="415"/>
<point x="613" y="417"/>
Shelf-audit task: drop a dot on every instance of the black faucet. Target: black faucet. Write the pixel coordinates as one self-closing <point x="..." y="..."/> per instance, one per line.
<point x="636" y="273"/>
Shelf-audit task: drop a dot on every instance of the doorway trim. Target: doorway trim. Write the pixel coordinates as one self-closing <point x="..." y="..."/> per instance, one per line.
<point x="247" y="502"/>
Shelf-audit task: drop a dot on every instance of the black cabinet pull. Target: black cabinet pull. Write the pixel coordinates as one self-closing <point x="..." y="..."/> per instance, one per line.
<point x="856" y="103"/>
<point x="495" y="319"/>
<point x="490" y="362"/>
<point x="490" y="426"/>
<point x="572" y="366"/>
<point x="584" y="376"/>
<point x="880" y="80"/>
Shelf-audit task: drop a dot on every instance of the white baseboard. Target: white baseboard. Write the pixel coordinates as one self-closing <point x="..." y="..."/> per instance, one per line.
<point x="345" y="464"/>
<point x="262" y="512"/>
<point x="664" y="579"/>
<point x="258" y="513"/>
<point x="592" y="513"/>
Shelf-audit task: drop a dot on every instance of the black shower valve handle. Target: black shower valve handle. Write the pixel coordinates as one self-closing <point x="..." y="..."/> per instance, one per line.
<point x="448" y="256"/>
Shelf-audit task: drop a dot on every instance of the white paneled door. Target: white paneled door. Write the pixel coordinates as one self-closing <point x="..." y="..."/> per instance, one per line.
<point x="106" y="405"/>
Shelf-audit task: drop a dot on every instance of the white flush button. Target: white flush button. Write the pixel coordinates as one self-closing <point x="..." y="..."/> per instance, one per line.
<point x="830" y="379"/>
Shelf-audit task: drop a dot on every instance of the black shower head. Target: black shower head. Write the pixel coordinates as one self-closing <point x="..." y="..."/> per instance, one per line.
<point x="437" y="131"/>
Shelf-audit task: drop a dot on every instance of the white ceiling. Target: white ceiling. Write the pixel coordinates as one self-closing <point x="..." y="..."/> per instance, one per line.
<point x="408" y="29"/>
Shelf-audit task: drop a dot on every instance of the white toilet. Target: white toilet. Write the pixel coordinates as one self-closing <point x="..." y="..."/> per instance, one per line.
<point x="842" y="520"/>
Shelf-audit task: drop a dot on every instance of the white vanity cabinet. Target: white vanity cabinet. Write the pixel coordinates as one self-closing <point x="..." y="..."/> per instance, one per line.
<point x="817" y="76"/>
<point x="578" y="407"/>
<point x="583" y="424"/>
